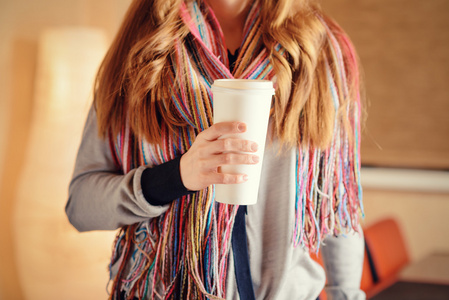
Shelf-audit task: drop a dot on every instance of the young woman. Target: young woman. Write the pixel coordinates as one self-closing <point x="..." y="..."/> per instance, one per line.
<point x="150" y="155"/>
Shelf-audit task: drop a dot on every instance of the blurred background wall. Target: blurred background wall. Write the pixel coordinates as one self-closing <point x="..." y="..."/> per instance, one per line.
<point x="404" y="51"/>
<point x="46" y="88"/>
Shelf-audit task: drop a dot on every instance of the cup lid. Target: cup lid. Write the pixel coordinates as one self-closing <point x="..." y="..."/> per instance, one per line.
<point x="244" y="84"/>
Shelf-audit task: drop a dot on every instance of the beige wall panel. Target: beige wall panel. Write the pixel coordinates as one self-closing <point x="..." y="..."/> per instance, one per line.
<point x="21" y="23"/>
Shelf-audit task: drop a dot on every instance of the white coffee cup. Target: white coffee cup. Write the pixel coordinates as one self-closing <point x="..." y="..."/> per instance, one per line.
<point x="247" y="101"/>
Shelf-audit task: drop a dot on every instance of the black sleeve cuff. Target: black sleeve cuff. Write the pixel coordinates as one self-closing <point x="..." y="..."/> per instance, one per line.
<point x="162" y="184"/>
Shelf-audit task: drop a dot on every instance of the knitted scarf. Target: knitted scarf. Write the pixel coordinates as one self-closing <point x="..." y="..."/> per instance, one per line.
<point x="183" y="254"/>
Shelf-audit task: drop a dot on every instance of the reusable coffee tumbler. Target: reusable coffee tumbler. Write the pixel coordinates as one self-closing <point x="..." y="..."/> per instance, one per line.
<point x="247" y="101"/>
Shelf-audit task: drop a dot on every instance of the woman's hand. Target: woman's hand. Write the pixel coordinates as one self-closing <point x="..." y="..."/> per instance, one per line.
<point x="199" y="166"/>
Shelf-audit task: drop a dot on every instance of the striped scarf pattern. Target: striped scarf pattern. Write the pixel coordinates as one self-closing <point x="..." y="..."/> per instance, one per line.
<point x="183" y="254"/>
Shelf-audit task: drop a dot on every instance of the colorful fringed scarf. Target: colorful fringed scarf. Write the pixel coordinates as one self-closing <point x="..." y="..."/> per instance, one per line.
<point x="183" y="254"/>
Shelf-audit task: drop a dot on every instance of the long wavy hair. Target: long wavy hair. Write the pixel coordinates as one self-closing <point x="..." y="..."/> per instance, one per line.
<point x="130" y="82"/>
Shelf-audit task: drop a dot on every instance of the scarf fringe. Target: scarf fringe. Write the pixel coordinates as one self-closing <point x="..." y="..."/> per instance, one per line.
<point x="183" y="254"/>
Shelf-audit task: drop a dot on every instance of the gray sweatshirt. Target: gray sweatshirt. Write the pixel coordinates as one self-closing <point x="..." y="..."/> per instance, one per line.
<point x="101" y="198"/>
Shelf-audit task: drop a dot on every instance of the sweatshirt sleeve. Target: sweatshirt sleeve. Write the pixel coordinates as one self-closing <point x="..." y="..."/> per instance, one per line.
<point x="343" y="261"/>
<point x="100" y="196"/>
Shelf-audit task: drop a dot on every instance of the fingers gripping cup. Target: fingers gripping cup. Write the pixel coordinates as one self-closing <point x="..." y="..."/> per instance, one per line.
<point x="247" y="101"/>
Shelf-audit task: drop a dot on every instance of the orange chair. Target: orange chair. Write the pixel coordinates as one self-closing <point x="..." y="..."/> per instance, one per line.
<point x="367" y="282"/>
<point x="386" y="249"/>
<point x="385" y="255"/>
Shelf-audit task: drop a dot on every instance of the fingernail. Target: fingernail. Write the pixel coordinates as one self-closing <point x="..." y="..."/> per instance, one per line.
<point x="245" y="177"/>
<point x="255" y="159"/>
<point x="241" y="127"/>
<point x="254" y="147"/>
